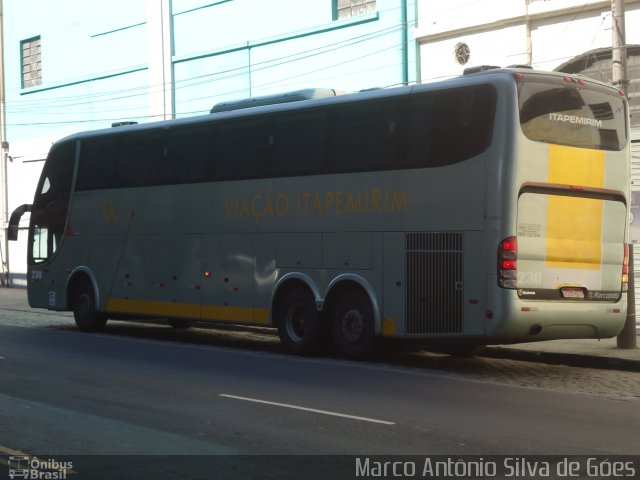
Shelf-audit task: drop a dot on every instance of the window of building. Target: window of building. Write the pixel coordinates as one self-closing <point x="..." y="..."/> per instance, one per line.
<point x="352" y="8"/>
<point x="31" y="56"/>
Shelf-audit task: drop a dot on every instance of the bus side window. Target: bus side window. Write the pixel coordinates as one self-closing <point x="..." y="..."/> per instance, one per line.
<point x="187" y="154"/>
<point x="366" y="137"/>
<point x="296" y="145"/>
<point x="450" y="126"/>
<point x="419" y="132"/>
<point x="97" y="164"/>
<point x="140" y="162"/>
<point x="473" y="122"/>
<point x="239" y="149"/>
<point x="40" y="247"/>
<point x="45" y="242"/>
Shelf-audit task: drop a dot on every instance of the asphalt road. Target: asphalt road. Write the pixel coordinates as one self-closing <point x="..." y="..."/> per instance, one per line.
<point x="64" y="393"/>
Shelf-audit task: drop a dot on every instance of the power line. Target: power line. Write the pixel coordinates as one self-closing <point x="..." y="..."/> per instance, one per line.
<point x="206" y="78"/>
<point x="200" y="79"/>
<point x="275" y="82"/>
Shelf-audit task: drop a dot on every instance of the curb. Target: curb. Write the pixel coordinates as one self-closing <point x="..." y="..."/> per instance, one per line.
<point x="557" y="358"/>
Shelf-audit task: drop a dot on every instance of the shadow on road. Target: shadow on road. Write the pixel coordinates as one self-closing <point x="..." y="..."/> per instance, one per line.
<point x="266" y="340"/>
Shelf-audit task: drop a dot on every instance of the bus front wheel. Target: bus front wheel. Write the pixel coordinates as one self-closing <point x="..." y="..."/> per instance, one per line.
<point x="84" y="309"/>
<point x="353" y="326"/>
<point x="299" y="324"/>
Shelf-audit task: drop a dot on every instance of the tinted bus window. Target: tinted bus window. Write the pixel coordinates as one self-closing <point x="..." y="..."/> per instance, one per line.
<point x="296" y="144"/>
<point x="141" y="162"/>
<point x="572" y="116"/>
<point x="124" y="161"/>
<point x="418" y="131"/>
<point x="49" y="210"/>
<point x="239" y="149"/>
<point x="57" y="173"/>
<point x="96" y="169"/>
<point x="450" y="126"/>
<point x="188" y="154"/>
<point x="366" y="137"/>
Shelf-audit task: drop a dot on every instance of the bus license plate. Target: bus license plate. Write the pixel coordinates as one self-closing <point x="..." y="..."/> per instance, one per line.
<point x="572" y="292"/>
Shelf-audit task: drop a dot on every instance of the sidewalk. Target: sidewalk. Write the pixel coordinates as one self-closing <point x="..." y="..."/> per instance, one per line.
<point x="582" y="353"/>
<point x="578" y="353"/>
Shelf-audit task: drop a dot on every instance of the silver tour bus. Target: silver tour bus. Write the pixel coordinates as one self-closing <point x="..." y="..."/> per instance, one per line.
<point x="489" y="208"/>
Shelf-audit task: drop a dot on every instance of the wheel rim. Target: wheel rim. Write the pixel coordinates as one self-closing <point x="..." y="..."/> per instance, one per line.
<point x="296" y="321"/>
<point x="353" y="325"/>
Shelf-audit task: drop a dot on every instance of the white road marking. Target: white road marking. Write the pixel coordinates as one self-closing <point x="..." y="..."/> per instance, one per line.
<point x="305" y="409"/>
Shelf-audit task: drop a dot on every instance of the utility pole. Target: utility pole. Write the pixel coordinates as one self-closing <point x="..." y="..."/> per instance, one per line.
<point x="619" y="50"/>
<point x="160" y="48"/>
<point x="627" y="338"/>
<point x="4" y="154"/>
<point x="527" y="25"/>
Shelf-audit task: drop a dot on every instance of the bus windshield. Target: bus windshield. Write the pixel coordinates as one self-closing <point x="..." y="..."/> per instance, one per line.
<point x="49" y="211"/>
<point x="570" y="115"/>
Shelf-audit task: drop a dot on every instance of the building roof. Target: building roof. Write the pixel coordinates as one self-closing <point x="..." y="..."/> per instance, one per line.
<point x="596" y="64"/>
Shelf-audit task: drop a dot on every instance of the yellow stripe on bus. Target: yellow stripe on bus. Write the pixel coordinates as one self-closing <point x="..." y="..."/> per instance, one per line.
<point x="189" y="310"/>
<point x="389" y="327"/>
<point x="235" y="314"/>
<point x="574" y="224"/>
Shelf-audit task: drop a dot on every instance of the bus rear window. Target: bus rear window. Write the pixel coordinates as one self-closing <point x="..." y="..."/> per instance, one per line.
<point x="570" y="115"/>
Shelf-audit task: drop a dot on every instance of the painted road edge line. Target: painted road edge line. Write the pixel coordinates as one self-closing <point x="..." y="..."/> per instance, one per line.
<point x="305" y="409"/>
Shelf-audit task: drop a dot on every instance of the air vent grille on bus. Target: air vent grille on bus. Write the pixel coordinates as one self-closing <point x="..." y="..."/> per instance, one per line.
<point x="434" y="291"/>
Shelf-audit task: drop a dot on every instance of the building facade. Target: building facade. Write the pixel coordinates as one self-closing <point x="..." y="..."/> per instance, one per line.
<point x="573" y="36"/>
<point x="76" y="66"/>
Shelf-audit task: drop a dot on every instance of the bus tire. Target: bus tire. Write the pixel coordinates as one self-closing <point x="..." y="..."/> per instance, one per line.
<point x="353" y="327"/>
<point x="87" y="318"/>
<point x="299" y="323"/>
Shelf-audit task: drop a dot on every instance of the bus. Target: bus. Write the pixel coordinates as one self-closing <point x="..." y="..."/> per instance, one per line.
<point x="485" y="209"/>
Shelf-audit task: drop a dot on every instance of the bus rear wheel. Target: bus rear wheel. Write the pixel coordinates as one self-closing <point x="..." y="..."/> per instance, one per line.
<point x="87" y="318"/>
<point x="353" y="326"/>
<point x="299" y="324"/>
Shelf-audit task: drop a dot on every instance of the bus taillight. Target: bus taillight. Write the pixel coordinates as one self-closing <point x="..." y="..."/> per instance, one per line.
<point x="625" y="268"/>
<point x="507" y="262"/>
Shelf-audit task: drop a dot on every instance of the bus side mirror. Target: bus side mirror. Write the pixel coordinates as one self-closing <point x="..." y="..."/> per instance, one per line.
<point x="14" y="221"/>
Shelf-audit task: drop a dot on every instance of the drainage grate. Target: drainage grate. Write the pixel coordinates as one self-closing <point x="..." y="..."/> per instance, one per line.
<point x="434" y="283"/>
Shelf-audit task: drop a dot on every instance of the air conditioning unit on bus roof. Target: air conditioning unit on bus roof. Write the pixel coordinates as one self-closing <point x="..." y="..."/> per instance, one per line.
<point x="484" y="68"/>
<point x="295" y="96"/>
<point x="122" y="124"/>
